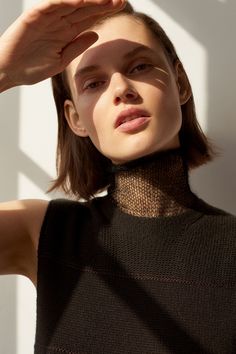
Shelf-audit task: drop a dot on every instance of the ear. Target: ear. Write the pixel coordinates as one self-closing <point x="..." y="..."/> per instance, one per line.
<point x="73" y="119"/>
<point x="183" y="84"/>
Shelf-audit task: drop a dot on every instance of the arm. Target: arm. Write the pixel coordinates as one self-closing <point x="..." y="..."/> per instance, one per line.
<point x="39" y="44"/>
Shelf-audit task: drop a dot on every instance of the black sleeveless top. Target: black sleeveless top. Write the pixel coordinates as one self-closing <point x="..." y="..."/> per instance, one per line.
<point x="112" y="283"/>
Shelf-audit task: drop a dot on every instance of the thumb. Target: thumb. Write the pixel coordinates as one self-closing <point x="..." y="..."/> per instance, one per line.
<point x="77" y="47"/>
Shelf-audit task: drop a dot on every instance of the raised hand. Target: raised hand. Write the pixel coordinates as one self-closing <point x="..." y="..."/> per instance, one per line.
<point x="44" y="39"/>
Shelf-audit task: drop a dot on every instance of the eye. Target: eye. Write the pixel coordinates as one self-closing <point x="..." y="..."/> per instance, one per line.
<point x="141" y="67"/>
<point x="93" y="85"/>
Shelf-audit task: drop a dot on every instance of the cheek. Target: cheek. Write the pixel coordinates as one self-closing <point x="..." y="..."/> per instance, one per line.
<point x="159" y="88"/>
<point x="164" y="103"/>
<point x="99" y="112"/>
<point x="168" y="100"/>
<point x="85" y="111"/>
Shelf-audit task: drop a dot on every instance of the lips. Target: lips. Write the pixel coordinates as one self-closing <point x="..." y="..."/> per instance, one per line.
<point x="130" y="114"/>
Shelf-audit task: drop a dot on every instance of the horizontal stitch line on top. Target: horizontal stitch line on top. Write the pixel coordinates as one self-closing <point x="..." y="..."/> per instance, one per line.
<point x="143" y="276"/>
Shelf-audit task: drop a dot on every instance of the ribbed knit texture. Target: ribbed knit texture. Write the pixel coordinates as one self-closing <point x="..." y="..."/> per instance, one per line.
<point x="114" y="283"/>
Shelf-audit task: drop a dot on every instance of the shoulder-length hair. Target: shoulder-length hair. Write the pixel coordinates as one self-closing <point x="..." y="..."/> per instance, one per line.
<point x="81" y="168"/>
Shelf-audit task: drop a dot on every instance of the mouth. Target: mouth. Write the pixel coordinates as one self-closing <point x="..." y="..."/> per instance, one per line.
<point x="130" y="115"/>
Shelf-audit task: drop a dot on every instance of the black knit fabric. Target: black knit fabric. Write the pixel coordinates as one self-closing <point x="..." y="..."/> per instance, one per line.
<point x="114" y="283"/>
<point x="110" y="283"/>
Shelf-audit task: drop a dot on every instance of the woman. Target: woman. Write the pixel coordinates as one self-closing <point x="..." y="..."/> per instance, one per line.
<point x="150" y="267"/>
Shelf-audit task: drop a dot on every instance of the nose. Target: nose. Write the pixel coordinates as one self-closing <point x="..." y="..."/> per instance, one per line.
<point x="124" y="91"/>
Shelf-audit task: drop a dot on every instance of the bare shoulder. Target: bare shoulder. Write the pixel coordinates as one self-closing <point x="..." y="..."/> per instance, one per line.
<point x="20" y="225"/>
<point x="26" y="213"/>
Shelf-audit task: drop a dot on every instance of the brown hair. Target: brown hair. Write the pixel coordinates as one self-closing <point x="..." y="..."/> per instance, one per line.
<point x="81" y="168"/>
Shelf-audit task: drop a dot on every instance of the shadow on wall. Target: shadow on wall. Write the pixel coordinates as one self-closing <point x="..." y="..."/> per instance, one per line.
<point x="212" y="23"/>
<point x="9" y="107"/>
<point x="12" y="161"/>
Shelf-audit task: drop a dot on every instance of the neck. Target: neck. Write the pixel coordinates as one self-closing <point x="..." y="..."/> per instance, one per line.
<point x="155" y="185"/>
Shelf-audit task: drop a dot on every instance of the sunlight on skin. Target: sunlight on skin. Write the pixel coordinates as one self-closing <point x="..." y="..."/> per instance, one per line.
<point x="164" y="72"/>
<point x="155" y="90"/>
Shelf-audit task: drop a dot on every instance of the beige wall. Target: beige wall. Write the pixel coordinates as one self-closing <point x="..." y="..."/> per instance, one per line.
<point x="203" y="33"/>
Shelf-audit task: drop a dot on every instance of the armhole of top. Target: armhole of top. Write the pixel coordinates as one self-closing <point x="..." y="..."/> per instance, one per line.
<point x="49" y="215"/>
<point x="46" y="218"/>
<point x="52" y="217"/>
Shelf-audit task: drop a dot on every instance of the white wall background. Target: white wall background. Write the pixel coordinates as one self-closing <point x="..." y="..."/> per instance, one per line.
<point x="203" y="33"/>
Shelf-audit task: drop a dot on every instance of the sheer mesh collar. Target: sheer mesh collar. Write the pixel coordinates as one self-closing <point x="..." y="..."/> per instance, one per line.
<point x="154" y="185"/>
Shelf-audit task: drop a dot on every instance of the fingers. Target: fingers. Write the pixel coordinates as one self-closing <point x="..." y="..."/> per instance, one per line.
<point x="77" y="47"/>
<point x="65" y="17"/>
<point x="78" y="22"/>
<point x="86" y="12"/>
<point x="66" y="7"/>
<point x="84" y="41"/>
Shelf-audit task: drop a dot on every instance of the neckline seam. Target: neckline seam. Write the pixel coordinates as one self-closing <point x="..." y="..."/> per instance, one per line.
<point x="190" y="212"/>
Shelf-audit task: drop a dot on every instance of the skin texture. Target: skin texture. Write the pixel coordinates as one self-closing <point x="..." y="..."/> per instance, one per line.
<point x="143" y="81"/>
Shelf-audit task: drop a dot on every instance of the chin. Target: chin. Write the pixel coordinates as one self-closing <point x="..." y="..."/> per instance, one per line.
<point x="126" y="157"/>
<point x="129" y="157"/>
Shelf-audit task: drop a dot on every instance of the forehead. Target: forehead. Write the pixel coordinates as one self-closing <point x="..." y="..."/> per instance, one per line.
<point x="125" y="27"/>
<point x="117" y="36"/>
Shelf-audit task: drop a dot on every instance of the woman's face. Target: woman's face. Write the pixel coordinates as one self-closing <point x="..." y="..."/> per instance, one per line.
<point x="122" y="77"/>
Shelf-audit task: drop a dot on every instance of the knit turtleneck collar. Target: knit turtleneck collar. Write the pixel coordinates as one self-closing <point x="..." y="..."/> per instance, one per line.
<point x="154" y="185"/>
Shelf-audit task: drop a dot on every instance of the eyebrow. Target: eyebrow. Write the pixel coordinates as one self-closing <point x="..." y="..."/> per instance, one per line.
<point x="91" y="68"/>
